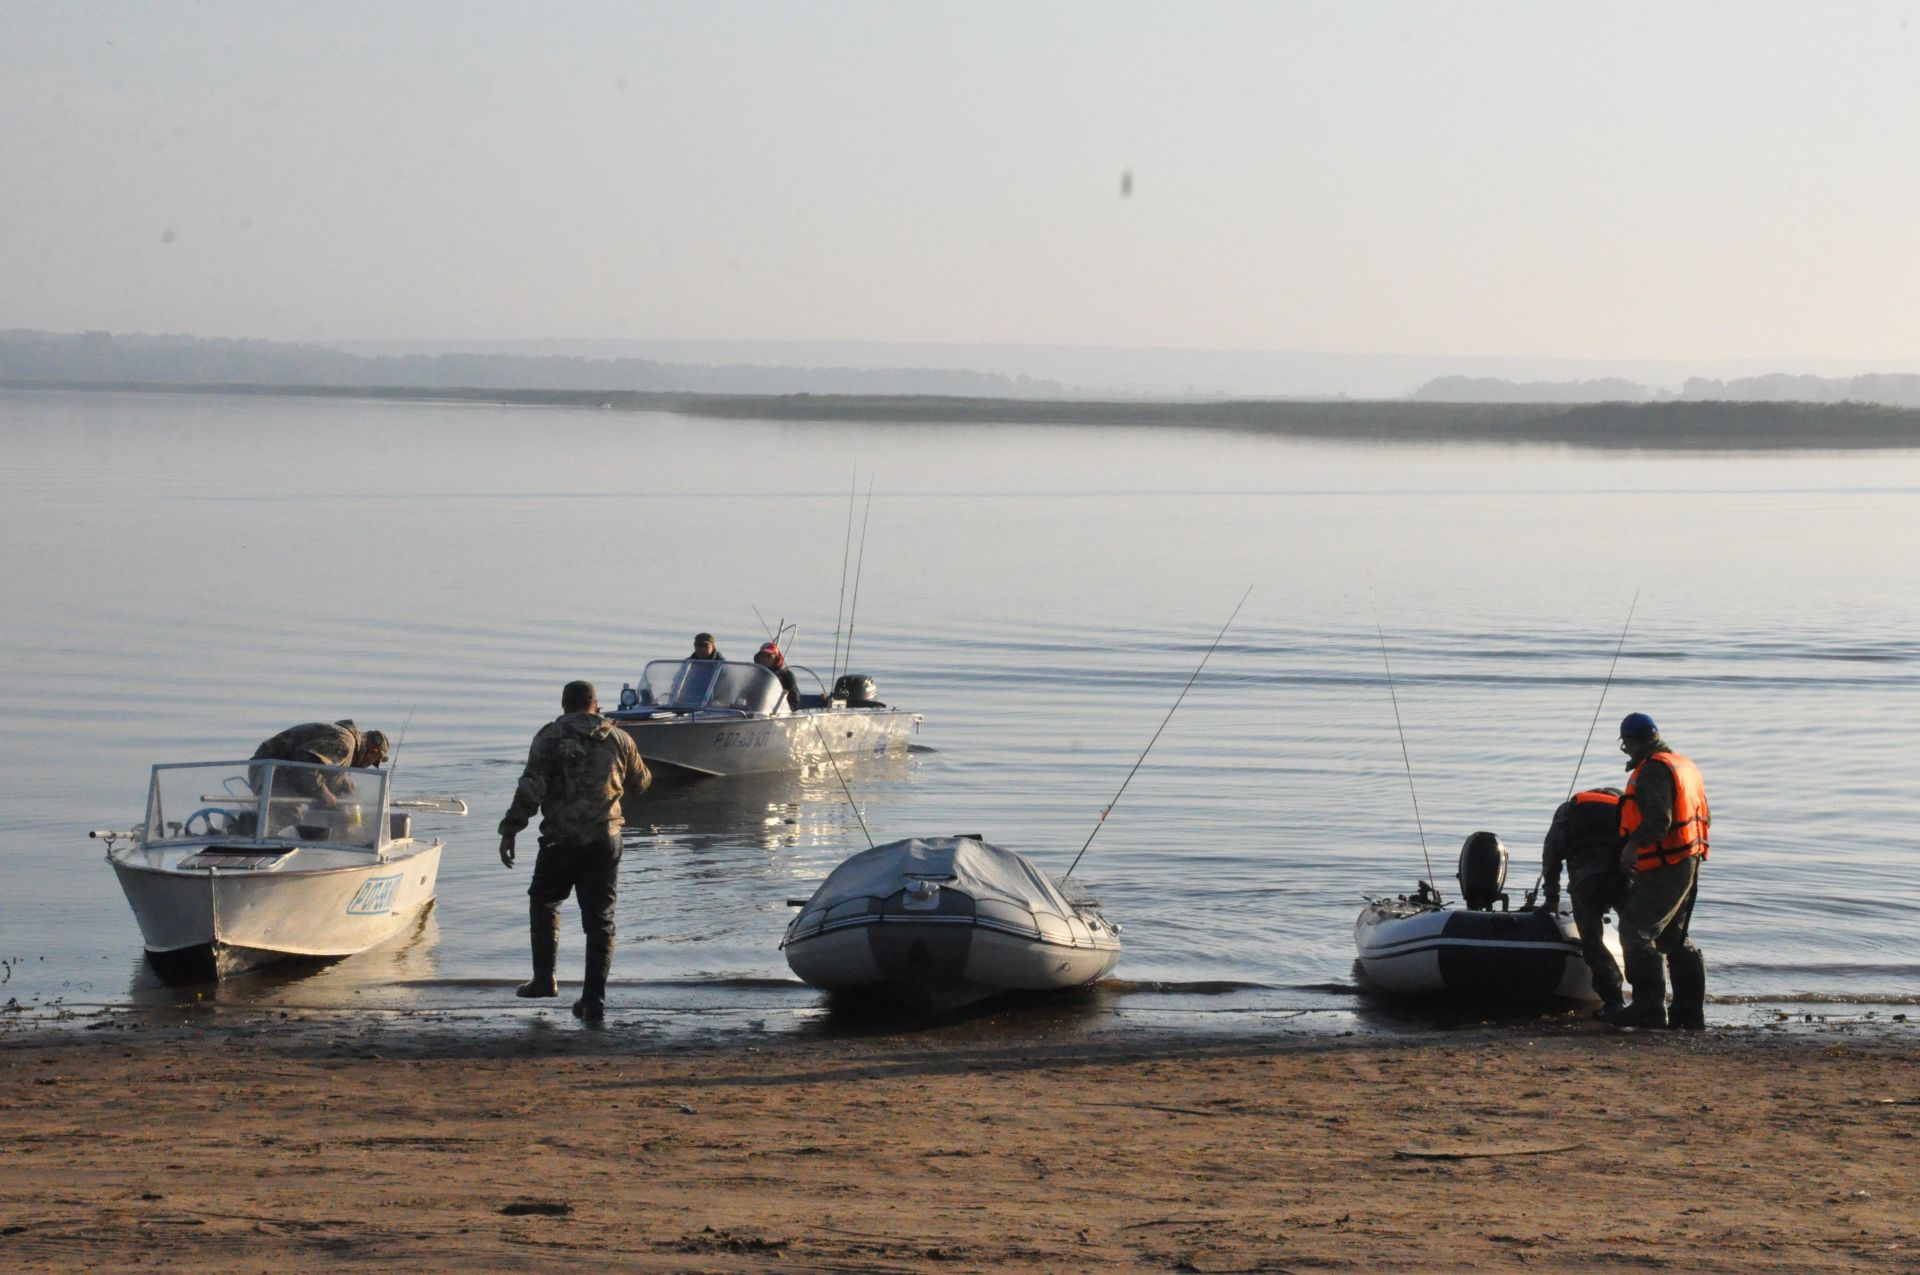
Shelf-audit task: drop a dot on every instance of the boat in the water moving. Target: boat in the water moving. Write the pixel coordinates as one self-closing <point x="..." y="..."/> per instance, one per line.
<point x="939" y="922"/>
<point x="722" y="717"/>
<point x="238" y="864"/>
<point x="1416" y="945"/>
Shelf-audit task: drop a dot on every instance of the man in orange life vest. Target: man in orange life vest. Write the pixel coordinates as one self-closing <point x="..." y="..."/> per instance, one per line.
<point x="1664" y="820"/>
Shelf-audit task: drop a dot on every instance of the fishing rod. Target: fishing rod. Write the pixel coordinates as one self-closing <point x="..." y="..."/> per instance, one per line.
<point x="1541" y="880"/>
<point x="1603" y="694"/>
<point x="1108" y="808"/>
<point x="815" y="719"/>
<point x="859" y="564"/>
<point x="1404" y="756"/>
<point x="846" y="552"/>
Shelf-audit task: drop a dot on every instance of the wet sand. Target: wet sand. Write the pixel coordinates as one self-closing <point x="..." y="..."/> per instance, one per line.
<point x="252" y="1143"/>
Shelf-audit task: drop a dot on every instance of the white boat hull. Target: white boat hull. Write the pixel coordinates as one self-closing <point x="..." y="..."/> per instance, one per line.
<point x="241" y="919"/>
<point x="1471" y="955"/>
<point x="739" y="745"/>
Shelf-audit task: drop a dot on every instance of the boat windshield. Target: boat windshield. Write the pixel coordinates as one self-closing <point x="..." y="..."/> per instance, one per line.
<point x="687" y="685"/>
<point x="279" y="801"/>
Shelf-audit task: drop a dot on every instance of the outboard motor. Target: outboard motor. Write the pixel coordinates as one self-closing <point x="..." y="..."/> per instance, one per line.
<point x="1483" y="870"/>
<point x="858" y="690"/>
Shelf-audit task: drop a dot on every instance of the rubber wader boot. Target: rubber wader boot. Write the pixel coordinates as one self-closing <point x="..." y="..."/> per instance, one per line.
<point x="1649" y="1007"/>
<point x="545" y="932"/>
<point x="1689" y="1011"/>
<point x="592" y="1005"/>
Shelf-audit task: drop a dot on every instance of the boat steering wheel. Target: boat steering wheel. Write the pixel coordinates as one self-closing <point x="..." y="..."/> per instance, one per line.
<point x="213" y="820"/>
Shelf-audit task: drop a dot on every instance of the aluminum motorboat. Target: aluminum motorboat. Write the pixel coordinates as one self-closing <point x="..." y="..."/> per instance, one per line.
<point x="722" y="717"/>
<point x="238" y="864"/>
<point x="939" y="922"/>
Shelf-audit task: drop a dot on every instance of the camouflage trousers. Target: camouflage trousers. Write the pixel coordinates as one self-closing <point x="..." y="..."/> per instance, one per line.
<point x="590" y="868"/>
<point x="1653" y="930"/>
<point x="1592" y="900"/>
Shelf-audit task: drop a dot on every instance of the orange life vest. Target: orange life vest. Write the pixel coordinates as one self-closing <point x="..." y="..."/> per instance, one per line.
<point x="1691" y="818"/>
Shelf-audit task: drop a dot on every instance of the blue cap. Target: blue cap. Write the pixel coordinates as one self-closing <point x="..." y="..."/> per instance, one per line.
<point x="1634" y="725"/>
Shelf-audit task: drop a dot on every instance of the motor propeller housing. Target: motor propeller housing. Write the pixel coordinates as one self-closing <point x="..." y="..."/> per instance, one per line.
<point x="857" y="690"/>
<point x="1483" y="870"/>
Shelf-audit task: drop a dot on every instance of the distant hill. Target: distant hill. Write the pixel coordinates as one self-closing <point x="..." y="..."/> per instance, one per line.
<point x="1888" y="389"/>
<point x="1491" y="389"/>
<point x="1717" y="426"/>
<point x="104" y="357"/>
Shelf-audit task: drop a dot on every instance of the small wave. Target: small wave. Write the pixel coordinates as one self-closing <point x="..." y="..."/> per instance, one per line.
<point x="1835" y="969"/>
<point x="1168" y="987"/>
<point x="1818" y="998"/>
<point x="741" y="984"/>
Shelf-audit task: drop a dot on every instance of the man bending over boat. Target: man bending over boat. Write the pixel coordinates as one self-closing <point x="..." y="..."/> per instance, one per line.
<point x="769" y="657"/>
<point x="578" y="769"/>
<point x="1663" y="820"/>
<point x="1585" y="835"/>
<point x="323" y="744"/>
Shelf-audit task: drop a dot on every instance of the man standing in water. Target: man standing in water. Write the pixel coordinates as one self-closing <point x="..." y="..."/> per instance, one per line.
<point x="1585" y="835"/>
<point x="1664" y="820"/>
<point x="579" y="767"/>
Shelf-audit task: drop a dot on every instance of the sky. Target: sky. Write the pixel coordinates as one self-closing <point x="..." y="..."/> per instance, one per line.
<point x="1603" y="181"/>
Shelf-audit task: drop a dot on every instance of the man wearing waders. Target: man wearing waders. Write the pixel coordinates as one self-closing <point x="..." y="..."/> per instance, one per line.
<point x="1585" y="835"/>
<point x="577" y="770"/>
<point x="1664" y="820"/>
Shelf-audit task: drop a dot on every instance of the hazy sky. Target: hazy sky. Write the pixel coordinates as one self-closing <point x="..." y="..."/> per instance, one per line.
<point x="1601" y="180"/>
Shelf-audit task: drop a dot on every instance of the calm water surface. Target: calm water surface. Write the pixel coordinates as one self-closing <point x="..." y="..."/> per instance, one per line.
<point x="185" y="576"/>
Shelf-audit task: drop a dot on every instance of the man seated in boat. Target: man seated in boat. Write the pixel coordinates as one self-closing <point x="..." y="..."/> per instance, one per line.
<point x="1585" y="835"/>
<point x="704" y="649"/>
<point x="769" y="658"/>
<point x="340" y="744"/>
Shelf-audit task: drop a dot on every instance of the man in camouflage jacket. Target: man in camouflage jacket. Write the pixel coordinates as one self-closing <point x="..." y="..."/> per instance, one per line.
<point x="323" y="744"/>
<point x="579" y="767"/>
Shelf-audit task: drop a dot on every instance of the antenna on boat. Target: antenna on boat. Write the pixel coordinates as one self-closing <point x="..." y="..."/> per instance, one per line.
<point x="815" y="719"/>
<point x="1541" y="880"/>
<point x="778" y="634"/>
<point x="1404" y="756"/>
<point x="1108" y="808"/>
<point x="394" y="767"/>
<point x="846" y="553"/>
<point x="859" y="563"/>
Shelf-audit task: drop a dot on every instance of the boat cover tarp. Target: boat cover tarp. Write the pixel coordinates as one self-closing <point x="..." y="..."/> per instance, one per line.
<point x="977" y="869"/>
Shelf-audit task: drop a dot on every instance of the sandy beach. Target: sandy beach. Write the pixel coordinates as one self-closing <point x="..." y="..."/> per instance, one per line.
<point x="242" y="1143"/>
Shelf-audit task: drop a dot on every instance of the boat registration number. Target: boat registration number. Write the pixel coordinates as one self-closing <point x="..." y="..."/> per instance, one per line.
<point x="743" y="739"/>
<point x="375" y="897"/>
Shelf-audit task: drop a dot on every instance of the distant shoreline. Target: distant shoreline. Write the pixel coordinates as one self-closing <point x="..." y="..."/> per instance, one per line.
<point x="1683" y="425"/>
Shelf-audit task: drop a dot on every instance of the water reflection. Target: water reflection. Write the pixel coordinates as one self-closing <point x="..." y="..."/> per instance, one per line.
<point x="1031" y="1016"/>
<point x="397" y="968"/>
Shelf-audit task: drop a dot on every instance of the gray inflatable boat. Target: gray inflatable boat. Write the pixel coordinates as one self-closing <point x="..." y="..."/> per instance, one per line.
<point x="938" y="922"/>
